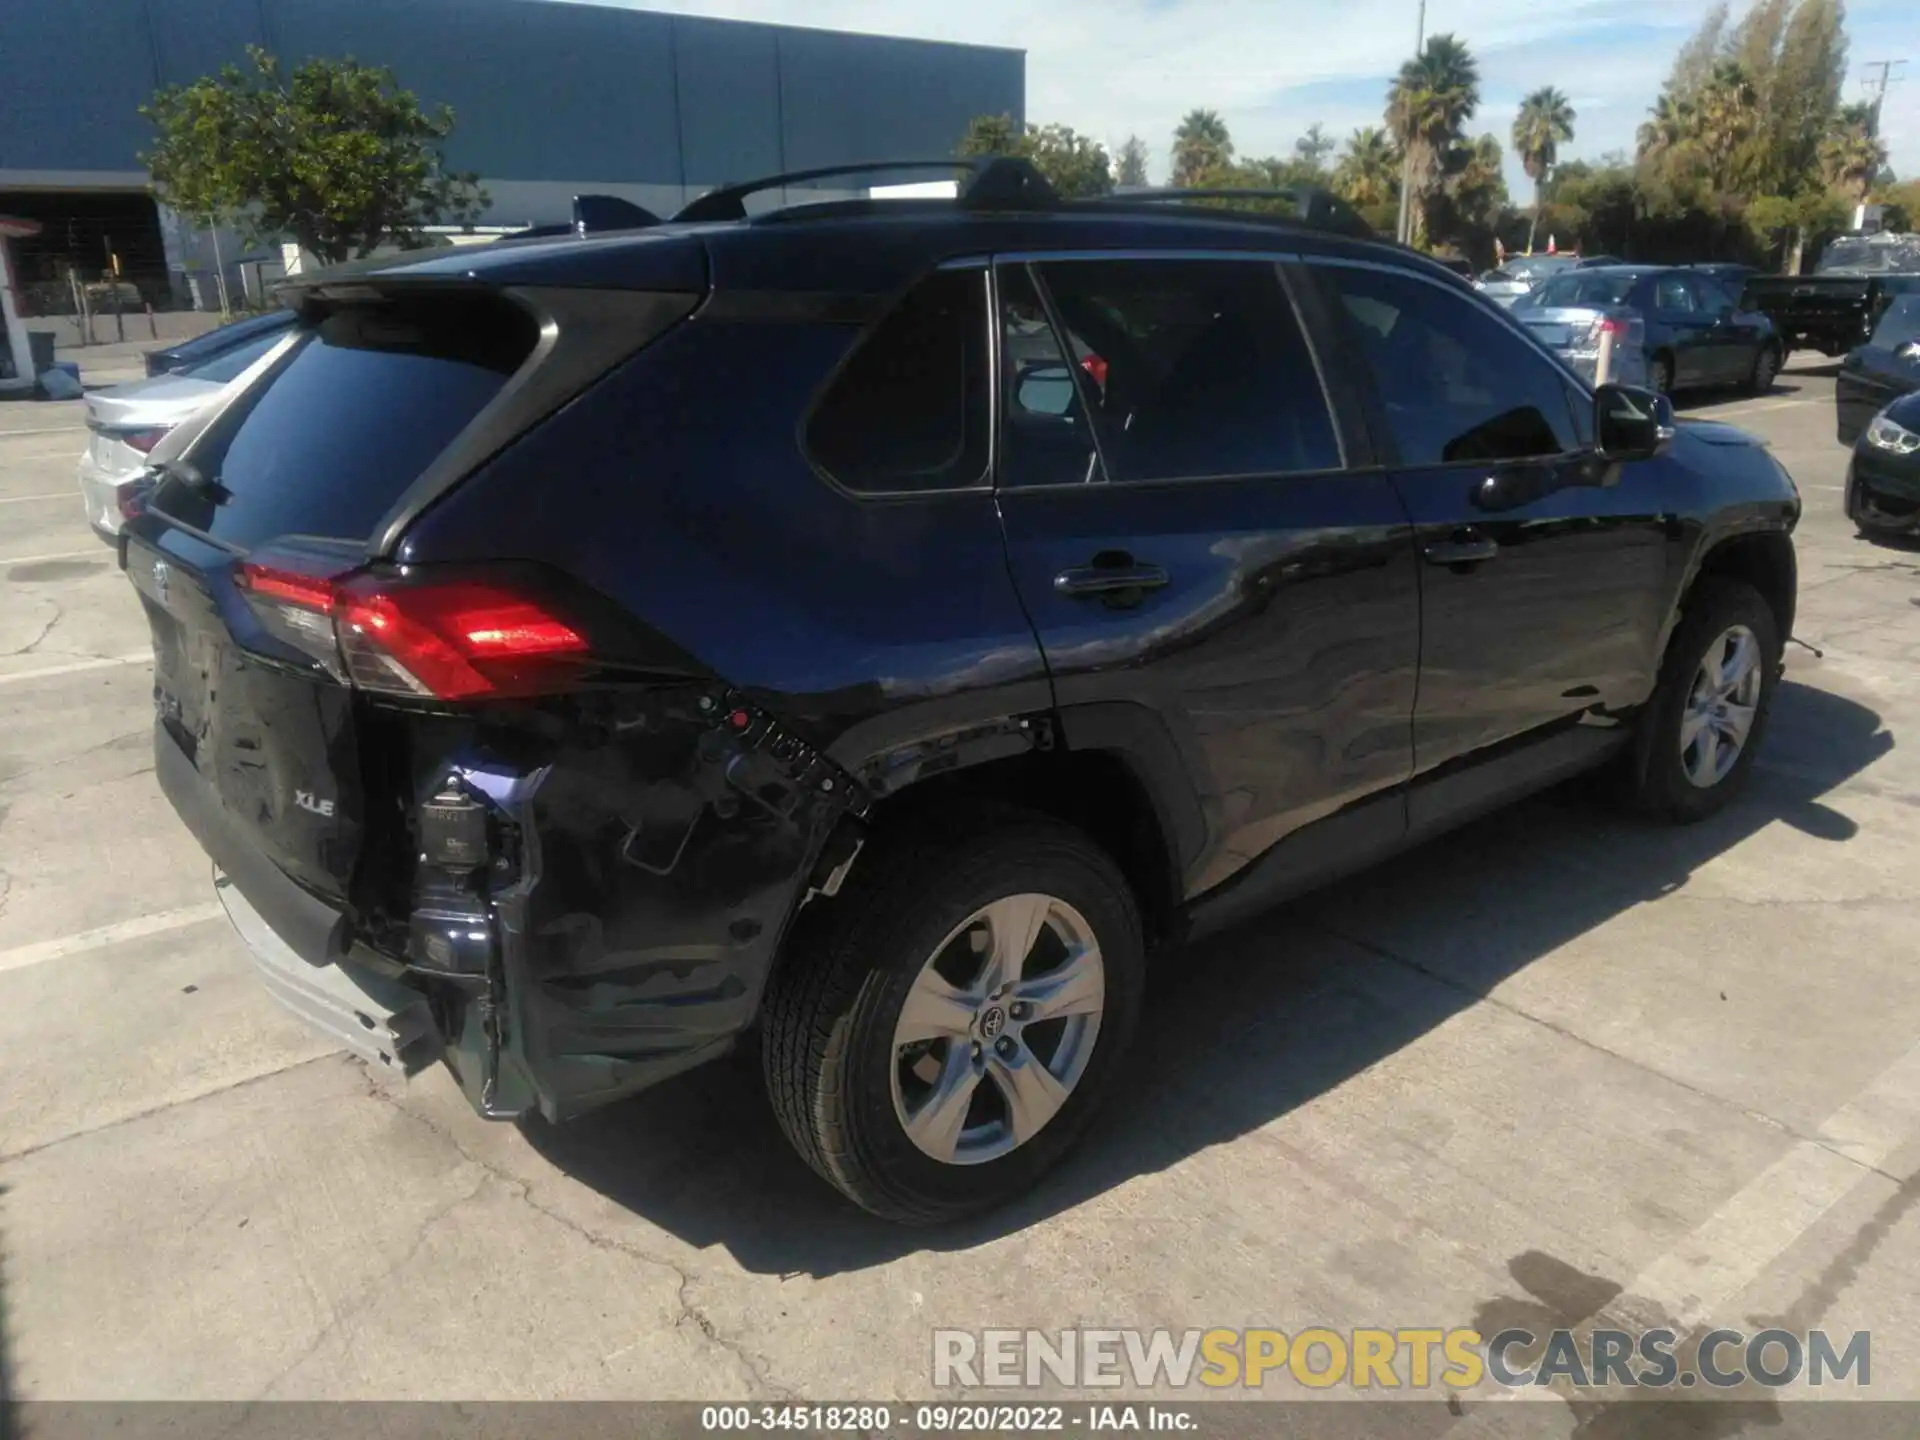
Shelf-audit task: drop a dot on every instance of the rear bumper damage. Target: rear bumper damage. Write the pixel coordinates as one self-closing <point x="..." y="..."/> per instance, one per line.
<point x="638" y="885"/>
<point x="385" y="1022"/>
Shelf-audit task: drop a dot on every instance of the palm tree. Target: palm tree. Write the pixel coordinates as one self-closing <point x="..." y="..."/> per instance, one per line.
<point x="1669" y="128"/>
<point x="1852" y="155"/>
<point x="1200" y="144"/>
<point x="1369" y="173"/>
<point x="1431" y="99"/>
<point x="1724" y="118"/>
<point x="1544" y="124"/>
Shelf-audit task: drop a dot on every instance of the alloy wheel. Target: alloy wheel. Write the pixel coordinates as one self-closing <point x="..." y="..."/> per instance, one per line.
<point x="997" y="1029"/>
<point x="1721" y="707"/>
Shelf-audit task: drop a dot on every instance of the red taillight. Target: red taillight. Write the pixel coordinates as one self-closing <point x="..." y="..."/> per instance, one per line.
<point x="130" y="496"/>
<point x="145" y="440"/>
<point x="448" y="640"/>
<point x="1610" y="326"/>
<point x="307" y="591"/>
<point x="456" y="641"/>
<point x="1097" y="368"/>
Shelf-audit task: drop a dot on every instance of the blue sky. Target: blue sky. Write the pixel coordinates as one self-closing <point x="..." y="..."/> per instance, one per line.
<point x="1273" y="67"/>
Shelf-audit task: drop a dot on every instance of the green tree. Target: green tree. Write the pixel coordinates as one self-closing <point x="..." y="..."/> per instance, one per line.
<point x="1201" y="146"/>
<point x="1667" y="127"/>
<point x="1312" y="149"/>
<point x="1130" y="165"/>
<point x="1074" y="164"/>
<point x="1852" y="156"/>
<point x="1726" y="116"/>
<point x="1369" y="172"/>
<point x="1544" y="124"/>
<point x="333" y="154"/>
<point x="1428" y="106"/>
<point x="1803" y="103"/>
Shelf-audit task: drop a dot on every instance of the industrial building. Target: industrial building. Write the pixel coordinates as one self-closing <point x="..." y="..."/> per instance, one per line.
<point x="551" y="98"/>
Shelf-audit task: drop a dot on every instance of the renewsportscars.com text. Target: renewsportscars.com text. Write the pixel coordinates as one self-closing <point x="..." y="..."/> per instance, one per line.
<point x="1411" y="1359"/>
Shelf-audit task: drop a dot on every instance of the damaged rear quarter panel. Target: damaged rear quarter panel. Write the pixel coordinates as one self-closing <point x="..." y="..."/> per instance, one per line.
<point x="666" y="851"/>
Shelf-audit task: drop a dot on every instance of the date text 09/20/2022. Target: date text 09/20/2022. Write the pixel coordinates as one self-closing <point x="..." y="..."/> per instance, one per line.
<point x="946" y="1419"/>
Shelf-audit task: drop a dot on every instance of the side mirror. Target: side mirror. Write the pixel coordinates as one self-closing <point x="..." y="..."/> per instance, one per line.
<point x="1630" y="423"/>
<point x="1045" y="390"/>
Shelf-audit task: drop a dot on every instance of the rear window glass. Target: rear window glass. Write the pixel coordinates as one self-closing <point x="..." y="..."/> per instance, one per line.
<point x="1900" y="324"/>
<point x="365" y="402"/>
<point x="1578" y="289"/>
<point x="229" y="364"/>
<point x="908" y="411"/>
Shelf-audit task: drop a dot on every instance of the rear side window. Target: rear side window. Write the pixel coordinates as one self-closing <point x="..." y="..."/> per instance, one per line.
<point x="1455" y="383"/>
<point x="1197" y="368"/>
<point x="908" y="411"/>
<point x="365" y="402"/>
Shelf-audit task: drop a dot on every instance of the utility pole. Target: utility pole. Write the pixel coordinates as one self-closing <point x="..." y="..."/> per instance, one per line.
<point x="1406" y="159"/>
<point x="1887" y="77"/>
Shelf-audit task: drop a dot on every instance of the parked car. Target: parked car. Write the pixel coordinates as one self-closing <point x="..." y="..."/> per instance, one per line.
<point x="185" y="354"/>
<point x="549" y="712"/>
<point x="125" y="423"/>
<point x="1519" y="275"/>
<point x="1576" y="314"/>
<point x="1730" y="277"/>
<point x="1694" y="336"/>
<point x="1883" y="482"/>
<point x="1836" y="308"/>
<point x="1879" y="372"/>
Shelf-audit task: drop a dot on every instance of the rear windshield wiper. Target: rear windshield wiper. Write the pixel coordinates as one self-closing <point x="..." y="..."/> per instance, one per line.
<point x="191" y="477"/>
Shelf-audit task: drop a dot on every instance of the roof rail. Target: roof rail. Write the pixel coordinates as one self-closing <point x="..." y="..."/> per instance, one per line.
<point x="1317" y="208"/>
<point x="995" y="182"/>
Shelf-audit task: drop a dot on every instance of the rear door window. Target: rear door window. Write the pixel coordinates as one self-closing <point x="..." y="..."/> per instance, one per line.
<point x="366" y="400"/>
<point x="908" y="411"/>
<point x="1193" y="368"/>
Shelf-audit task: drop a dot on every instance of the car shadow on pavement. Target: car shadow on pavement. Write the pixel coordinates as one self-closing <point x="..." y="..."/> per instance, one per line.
<point x="1242" y="1028"/>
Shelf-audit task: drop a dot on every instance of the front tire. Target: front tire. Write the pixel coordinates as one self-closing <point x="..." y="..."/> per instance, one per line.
<point x="1708" y="714"/>
<point x="940" y="1039"/>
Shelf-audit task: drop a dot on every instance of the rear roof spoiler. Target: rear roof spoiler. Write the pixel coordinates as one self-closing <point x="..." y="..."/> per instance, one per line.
<point x="593" y="215"/>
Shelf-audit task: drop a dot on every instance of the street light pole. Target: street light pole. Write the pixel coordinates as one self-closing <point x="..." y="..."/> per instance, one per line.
<point x="1406" y="158"/>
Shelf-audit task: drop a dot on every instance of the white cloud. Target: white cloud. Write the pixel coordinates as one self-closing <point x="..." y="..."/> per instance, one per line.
<point x="1114" y="67"/>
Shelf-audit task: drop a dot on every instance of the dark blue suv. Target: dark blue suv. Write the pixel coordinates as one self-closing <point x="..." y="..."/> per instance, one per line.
<point x="883" y="624"/>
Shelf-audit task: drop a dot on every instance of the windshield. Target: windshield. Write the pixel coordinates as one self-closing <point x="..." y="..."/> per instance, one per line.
<point x="1585" y="289"/>
<point x="1877" y="254"/>
<point x="1900" y="325"/>
<point x="1533" y="267"/>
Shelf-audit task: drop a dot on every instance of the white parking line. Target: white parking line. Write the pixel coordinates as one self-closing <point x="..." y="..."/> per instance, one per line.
<point x="48" y="495"/>
<point x="105" y="550"/>
<point x="22" y="956"/>
<point x="1780" y="1204"/>
<point x="1755" y="407"/>
<point x="46" y="430"/>
<point x="47" y="672"/>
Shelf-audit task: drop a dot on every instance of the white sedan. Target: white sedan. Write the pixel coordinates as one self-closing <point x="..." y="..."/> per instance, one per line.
<point x="127" y="421"/>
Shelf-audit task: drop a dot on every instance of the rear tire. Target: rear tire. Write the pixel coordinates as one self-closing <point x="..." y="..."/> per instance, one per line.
<point x="979" y="1100"/>
<point x="1701" y="706"/>
<point x="1766" y="368"/>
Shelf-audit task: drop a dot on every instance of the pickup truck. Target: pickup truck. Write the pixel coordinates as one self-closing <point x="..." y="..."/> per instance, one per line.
<point x="1834" y="309"/>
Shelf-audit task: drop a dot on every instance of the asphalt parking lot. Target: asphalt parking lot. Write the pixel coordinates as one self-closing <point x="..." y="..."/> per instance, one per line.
<point x="1558" y="1066"/>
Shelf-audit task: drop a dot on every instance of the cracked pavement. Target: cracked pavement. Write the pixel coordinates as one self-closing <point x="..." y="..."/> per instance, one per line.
<point x="1553" y="1066"/>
